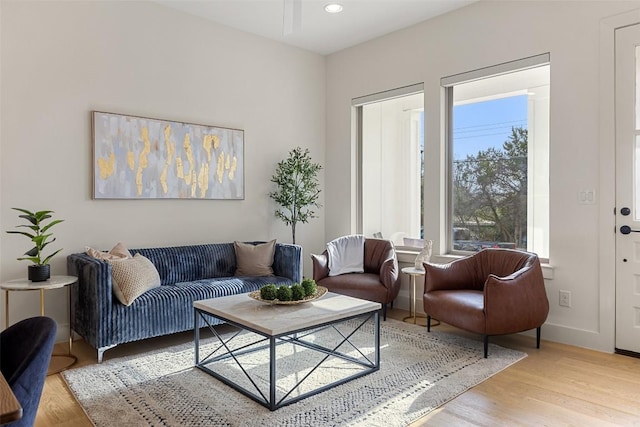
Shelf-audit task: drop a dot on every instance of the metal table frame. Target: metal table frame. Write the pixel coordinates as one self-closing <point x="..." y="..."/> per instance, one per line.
<point x="295" y="337"/>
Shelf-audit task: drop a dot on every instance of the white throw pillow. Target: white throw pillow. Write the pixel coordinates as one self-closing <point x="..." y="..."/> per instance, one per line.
<point x="346" y="255"/>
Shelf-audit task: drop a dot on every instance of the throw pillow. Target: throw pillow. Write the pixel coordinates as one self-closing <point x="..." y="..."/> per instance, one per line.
<point x="346" y="255"/>
<point x="254" y="260"/>
<point x="132" y="277"/>
<point x="119" y="251"/>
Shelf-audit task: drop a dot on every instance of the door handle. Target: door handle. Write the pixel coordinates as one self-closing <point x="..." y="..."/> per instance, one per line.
<point x="625" y="229"/>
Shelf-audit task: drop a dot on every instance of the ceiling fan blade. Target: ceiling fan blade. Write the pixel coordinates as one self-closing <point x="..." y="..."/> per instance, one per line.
<point x="292" y="17"/>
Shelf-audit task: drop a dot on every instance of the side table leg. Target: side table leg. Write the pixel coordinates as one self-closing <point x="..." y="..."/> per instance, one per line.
<point x="413" y="298"/>
<point x="70" y="325"/>
<point x="41" y="302"/>
<point x="412" y="301"/>
<point x="67" y="360"/>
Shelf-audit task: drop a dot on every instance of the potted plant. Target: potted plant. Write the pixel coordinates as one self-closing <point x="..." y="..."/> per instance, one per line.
<point x="40" y="270"/>
<point x="298" y="190"/>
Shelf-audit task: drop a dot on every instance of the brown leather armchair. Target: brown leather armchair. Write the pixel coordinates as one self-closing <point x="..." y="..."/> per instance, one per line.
<point x="380" y="281"/>
<point x="492" y="292"/>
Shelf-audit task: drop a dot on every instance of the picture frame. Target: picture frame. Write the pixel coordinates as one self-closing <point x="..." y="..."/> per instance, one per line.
<point x="143" y="158"/>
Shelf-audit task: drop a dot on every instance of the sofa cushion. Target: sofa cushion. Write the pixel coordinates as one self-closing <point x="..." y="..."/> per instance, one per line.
<point x="188" y="263"/>
<point x="254" y="260"/>
<point x="119" y="251"/>
<point x="132" y="277"/>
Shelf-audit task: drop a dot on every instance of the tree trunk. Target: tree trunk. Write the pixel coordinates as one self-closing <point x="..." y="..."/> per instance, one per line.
<point x="293" y="232"/>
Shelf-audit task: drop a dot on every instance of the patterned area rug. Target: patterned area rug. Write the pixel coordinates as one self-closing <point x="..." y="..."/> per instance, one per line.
<point x="419" y="371"/>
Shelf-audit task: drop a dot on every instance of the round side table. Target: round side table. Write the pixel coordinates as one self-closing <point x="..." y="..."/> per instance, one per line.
<point x="59" y="362"/>
<point x="413" y="318"/>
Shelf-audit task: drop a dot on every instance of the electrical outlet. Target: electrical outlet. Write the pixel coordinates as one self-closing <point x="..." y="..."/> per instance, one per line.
<point x="565" y="299"/>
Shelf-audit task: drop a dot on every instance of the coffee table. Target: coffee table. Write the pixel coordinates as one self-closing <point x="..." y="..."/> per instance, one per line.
<point x="290" y="329"/>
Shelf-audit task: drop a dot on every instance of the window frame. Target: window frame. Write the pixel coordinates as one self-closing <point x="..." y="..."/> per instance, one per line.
<point x="448" y="83"/>
<point x="357" y="105"/>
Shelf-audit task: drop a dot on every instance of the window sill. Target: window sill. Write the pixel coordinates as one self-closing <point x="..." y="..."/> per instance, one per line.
<point x="408" y="256"/>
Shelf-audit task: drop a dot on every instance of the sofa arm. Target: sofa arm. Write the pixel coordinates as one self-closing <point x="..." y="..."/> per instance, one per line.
<point x="523" y="289"/>
<point x="320" y="266"/>
<point x="91" y="298"/>
<point x="389" y="272"/>
<point x="287" y="261"/>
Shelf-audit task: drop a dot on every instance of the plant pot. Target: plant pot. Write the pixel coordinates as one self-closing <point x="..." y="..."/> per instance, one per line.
<point x="39" y="273"/>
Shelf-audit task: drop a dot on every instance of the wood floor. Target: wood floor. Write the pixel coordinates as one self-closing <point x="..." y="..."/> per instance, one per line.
<point x="557" y="385"/>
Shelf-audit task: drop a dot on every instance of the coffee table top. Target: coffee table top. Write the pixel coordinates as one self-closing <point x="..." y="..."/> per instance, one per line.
<point x="275" y="320"/>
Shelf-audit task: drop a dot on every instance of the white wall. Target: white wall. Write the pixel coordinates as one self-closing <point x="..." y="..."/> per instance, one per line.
<point x="484" y="34"/>
<point x="61" y="60"/>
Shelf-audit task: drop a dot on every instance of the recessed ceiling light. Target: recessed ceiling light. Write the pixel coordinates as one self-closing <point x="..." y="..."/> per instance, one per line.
<point x="333" y="8"/>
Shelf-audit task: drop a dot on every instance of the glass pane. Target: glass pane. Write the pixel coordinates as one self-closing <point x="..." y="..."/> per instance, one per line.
<point x="490" y="174"/>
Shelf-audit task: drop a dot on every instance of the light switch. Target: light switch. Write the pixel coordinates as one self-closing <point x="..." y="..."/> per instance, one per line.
<point x="587" y="197"/>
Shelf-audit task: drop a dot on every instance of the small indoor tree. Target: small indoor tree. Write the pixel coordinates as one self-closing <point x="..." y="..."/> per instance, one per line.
<point x="297" y="192"/>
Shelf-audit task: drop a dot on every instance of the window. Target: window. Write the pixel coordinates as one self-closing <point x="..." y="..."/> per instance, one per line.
<point x="390" y="129"/>
<point x="498" y="121"/>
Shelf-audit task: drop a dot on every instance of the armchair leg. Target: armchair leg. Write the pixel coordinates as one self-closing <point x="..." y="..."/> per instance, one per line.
<point x="486" y="346"/>
<point x="538" y="336"/>
<point x="384" y="312"/>
<point x="428" y="323"/>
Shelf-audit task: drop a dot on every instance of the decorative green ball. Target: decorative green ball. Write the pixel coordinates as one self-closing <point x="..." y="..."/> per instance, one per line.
<point x="309" y="286"/>
<point x="297" y="292"/>
<point x="284" y="293"/>
<point x="268" y="292"/>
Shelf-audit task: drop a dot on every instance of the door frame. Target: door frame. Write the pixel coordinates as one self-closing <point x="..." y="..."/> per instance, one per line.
<point x="607" y="178"/>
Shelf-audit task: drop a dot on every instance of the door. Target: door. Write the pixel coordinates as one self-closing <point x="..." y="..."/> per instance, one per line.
<point x="627" y="93"/>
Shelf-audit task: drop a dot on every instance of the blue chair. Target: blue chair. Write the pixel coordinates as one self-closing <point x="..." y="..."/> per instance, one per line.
<point x="25" y="352"/>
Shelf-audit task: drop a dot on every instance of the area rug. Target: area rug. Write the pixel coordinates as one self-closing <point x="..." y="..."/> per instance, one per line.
<point x="419" y="371"/>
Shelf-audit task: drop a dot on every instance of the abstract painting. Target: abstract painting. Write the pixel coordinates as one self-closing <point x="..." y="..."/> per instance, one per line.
<point x="141" y="158"/>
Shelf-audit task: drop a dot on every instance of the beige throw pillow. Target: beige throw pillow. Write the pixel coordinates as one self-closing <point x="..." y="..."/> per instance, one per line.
<point x="254" y="260"/>
<point x="119" y="251"/>
<point x="132" y="277"/>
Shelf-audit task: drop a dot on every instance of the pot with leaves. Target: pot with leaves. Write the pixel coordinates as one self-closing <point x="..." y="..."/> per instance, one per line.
<point x="298" y="190"/>
<point x="41" y="238"/>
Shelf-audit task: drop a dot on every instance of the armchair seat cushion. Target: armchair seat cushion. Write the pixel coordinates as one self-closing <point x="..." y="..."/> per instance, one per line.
<point x="468" y="306"/>
<point x="359" y="285"/>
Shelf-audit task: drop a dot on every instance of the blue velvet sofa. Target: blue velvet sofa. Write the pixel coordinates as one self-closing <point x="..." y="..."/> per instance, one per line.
<point x="187" y="274"/>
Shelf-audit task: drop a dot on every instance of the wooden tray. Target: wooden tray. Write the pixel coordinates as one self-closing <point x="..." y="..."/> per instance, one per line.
<point x="320" y="291"/>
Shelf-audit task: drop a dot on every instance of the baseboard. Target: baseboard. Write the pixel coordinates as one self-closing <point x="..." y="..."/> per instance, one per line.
<point x="574" y="336"/>
<point x="627" y="353"/>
